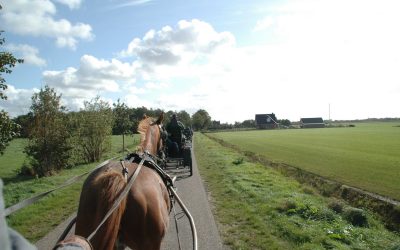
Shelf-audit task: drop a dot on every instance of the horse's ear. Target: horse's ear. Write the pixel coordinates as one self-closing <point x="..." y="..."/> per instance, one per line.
<point x="160" y="118"/>
<point x="144" y="116"/>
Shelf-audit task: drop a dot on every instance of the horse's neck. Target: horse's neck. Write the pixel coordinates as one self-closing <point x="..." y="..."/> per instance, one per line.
<point x="149" y="144"/>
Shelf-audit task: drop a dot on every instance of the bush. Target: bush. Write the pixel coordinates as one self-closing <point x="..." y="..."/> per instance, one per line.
<point x="306" y="211"/>
<point x="356" y="216"/>
<point x="48" y="147"/>
<point x="95" y="127"/>
<point x="26" y="170"/>
<point x="238" y="161"/>
<point x="308" y="190"/>
<point x="336" y="205"/>
<point x="286" y="206"/>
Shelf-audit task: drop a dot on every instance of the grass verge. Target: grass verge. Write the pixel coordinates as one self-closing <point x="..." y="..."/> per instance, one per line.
<point x="365" y="156"/>
<point x="37" y="220"/>
<point x="258" y="208"/>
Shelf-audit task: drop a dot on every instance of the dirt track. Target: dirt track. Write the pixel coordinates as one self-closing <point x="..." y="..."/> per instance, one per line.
<point x="193" y="194"/>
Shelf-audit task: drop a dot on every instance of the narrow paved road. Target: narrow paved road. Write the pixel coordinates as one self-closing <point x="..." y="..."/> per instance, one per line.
<point x="192" y="192"/>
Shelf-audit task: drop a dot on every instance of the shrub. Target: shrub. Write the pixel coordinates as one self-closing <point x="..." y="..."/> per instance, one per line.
<point x="286" y="206"/>
<point x="306" y="211"/>
<point x="340" y="234"/>
<point x="48" y="146"/>
<point x="308" y="190"/>
<point x="95" y="127"/>
<point x="336" y="205"/>
<point x="26" y="170"/>
<point x="356" y="216"/>
<point x="238" y="161"/>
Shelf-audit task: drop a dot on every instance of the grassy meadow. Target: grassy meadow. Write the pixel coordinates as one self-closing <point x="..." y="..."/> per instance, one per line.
<point x="366" y="156"/>
<point x="256" y="207"/>
<point x="37" y="220"/>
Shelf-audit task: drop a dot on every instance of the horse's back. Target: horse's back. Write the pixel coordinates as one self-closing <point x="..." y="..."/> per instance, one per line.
<point x="146" y="217"/>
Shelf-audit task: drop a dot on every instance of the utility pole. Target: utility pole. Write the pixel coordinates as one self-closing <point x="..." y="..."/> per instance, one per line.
<point x="329" y="112"/>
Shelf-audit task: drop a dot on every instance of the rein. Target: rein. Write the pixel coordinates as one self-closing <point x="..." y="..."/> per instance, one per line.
<point x="38" y="197"/>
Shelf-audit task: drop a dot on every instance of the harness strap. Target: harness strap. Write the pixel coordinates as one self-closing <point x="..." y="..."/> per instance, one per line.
<point x="120" y="198"/>
<point x="150" y="162"/>
<point x="125" y="171"/>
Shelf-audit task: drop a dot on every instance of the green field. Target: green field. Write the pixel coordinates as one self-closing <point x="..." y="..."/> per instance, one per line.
<point x="257" y="207"/>
<point x="366" y="156"/>
<point x="36" y="220"/>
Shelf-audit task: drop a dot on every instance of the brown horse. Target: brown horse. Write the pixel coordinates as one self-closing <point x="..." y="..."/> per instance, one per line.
<point x="142" y="218"/>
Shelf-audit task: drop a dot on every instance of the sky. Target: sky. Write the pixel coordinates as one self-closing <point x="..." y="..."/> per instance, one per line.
<point x="337" y="59"/>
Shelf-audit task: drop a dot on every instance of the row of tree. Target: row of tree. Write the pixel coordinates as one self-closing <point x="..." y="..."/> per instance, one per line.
<point x="60" y="139"/>
<point x="126" y="120"/>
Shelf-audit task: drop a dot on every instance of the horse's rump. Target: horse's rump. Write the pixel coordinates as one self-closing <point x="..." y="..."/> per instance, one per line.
<point x="99" y="193"/>
<point x="146" y="217"/>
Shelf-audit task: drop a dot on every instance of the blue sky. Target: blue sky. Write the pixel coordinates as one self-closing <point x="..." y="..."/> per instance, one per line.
<point x="232" y="58"/>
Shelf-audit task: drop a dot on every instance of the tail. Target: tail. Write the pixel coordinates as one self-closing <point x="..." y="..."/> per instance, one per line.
<point x="106" y="188"/>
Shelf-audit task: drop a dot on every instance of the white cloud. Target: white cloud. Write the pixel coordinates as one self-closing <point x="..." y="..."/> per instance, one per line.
<point x="72" y="4"/>
<point x="168" y="46"/>
<point x="264" y="24"/>
<point x="128" y="3"/>
<point x="28" y="53"/>
<point x="36" y="18"/>
<point x="154" y="86"/>
<point x="135" y="100"/>
<point x="18" y="100"/>
<point x="94" y="76"/>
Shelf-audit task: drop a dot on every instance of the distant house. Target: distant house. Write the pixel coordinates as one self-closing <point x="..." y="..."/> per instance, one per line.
<point x="315" y="122"/>
<point x="266" y="121"/>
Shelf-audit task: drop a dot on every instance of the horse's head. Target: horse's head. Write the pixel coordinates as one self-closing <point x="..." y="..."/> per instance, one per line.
<point x="151" y="134"/>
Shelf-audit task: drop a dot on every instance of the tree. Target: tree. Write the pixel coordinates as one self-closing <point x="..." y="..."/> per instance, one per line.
<point x="249" y="123"/>
<point x="168" y="116"/>
<point x="201" y="120"/>
<point x="285" y="122"/>
<point x="136" y="116"/>
<point x="8" y="129"/>
<point x="7" y="62"/>
<point x="95" y="128"/>
<point x="48" y="146"/>
<point x="184" y="117"/>
<point x="122" y="123"/>
<point x="25" y="122"/>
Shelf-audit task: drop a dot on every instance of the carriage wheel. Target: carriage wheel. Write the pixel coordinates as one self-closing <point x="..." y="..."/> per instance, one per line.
<point x="187" y="159"/>
<point x="190" y="165"/>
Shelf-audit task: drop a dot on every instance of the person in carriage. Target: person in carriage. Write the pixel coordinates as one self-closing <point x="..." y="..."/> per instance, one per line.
<point x="176" y="137"/>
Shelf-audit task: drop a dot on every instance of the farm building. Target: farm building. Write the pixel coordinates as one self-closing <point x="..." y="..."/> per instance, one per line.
<point x="266" y="121"/>
<point x="316" y="122"/>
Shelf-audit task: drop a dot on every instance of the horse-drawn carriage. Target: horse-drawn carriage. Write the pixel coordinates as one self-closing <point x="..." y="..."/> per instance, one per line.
<point x="178" y="150"/>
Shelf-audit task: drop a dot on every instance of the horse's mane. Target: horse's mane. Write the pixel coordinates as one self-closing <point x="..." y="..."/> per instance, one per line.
<point x="142" y="129"/>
